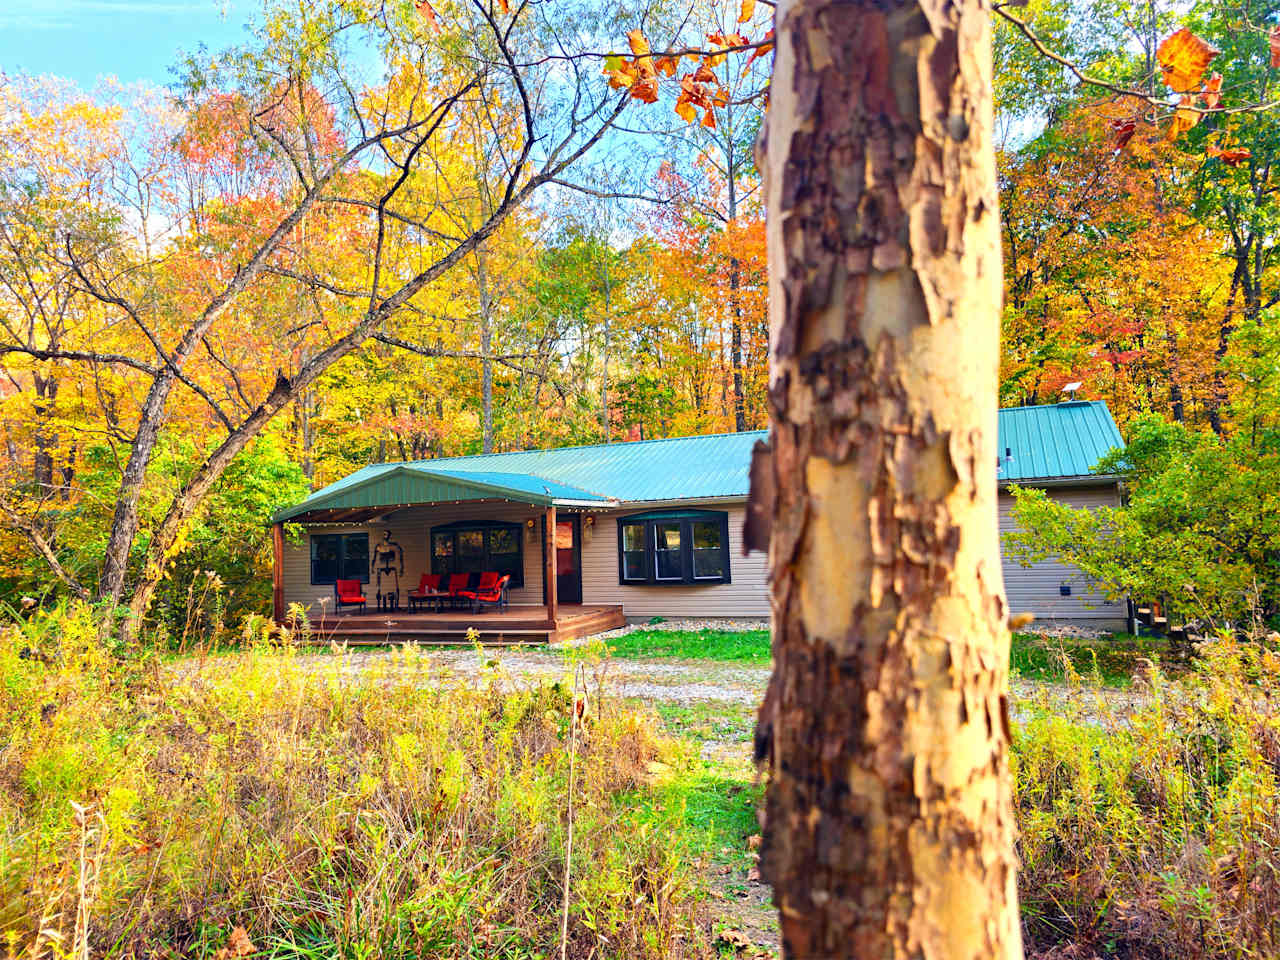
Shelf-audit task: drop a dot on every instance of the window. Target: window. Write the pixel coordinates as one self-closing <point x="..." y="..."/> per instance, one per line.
<point x="634" y="555"/>
<point x="674" y="547"/>
<point x="339" y="556"/>
<point x="708" y="549"/>
<point x="667" y="555"/>
<point x="475" y="547"/>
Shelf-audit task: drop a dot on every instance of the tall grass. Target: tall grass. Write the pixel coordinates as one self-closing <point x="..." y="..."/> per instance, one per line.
<point x="1153" y="831"/>
<point x="150" y="809"/>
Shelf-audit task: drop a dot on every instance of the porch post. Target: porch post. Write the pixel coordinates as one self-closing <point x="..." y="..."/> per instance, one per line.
<point x="549" y="573"/>
<point x="277" y="573"/>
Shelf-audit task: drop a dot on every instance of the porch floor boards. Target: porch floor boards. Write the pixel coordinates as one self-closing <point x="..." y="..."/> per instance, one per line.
<point x="516" y="624"/>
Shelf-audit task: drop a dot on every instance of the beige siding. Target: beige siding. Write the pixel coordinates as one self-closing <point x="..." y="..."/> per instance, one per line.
<point x="411" y="528"/>
<point x="746" y="596"/>
<point x="1035" y="588"/>
<point x="1032" y="589"/>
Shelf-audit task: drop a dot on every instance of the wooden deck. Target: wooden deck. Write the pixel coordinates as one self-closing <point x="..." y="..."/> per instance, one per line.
<point x="516" y="624"/>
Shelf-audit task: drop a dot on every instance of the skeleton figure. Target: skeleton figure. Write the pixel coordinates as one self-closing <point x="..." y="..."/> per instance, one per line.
<point x="387" y="568"/>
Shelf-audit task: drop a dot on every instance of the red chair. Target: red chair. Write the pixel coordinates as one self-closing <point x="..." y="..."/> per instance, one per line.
<point x="491" y="589"/>
<point x="350" y="593"/>
<point x="428" y="589"/>
<point x="458" y="583"/>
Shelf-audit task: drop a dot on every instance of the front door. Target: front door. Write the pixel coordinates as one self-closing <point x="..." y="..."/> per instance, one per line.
<point x="568" y="542"/>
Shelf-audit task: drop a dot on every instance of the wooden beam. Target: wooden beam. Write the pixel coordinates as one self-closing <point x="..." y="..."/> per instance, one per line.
<point x="549" y="573"/>
<point x="277" y="572"/>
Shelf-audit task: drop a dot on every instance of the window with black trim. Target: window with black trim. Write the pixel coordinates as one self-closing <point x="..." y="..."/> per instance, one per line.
<point x="674" y="547"/>
<point x="469" y="547"/>
<point x="339" y="556"/>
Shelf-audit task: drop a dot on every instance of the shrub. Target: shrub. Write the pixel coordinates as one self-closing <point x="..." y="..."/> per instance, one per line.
<point x="1154" y="831"/>
<point x="329" y="812"/>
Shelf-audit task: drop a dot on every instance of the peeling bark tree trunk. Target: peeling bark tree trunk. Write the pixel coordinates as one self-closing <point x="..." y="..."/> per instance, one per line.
<point x="888" y="821"/>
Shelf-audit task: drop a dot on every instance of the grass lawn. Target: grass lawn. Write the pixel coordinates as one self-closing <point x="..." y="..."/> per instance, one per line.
<point x="1111" y="660"/>
<point x="738" y="646"/>
<point x="706" y="721"/>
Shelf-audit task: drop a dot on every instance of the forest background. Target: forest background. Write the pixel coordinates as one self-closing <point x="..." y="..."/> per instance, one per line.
<point x="624" y="302"/>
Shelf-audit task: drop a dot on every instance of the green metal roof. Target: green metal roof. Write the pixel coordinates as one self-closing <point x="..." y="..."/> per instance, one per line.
<point x="1058" y="441"/>
<point x="384" y="485"/>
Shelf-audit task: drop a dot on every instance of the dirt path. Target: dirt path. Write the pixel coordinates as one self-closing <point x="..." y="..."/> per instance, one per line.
<point x="684" y="682"/>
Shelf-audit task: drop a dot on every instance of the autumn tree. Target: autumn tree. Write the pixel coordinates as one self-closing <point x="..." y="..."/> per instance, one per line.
<point x="298" y="181"/>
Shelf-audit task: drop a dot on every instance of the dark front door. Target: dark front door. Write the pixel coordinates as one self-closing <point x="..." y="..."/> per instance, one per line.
<point x="568" y="541"/>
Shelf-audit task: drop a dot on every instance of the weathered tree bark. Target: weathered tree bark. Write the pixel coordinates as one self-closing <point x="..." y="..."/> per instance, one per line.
<point x="885" y="728"/>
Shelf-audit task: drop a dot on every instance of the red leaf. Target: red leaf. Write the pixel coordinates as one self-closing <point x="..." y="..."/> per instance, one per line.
<point x="427" y="12"/>
<point x="760" y="51"/>
<point x="1124" y="129"/>
<point x="1275" y="46"/>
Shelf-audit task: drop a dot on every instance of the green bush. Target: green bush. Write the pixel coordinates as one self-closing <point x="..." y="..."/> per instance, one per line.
<point x="1200" y="531"/>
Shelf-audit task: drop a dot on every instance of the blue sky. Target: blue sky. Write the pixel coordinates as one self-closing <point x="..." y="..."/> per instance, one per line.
<point x="133" y="40"/>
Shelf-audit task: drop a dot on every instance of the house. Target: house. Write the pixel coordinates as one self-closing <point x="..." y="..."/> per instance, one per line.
<point x="627" y="531"/>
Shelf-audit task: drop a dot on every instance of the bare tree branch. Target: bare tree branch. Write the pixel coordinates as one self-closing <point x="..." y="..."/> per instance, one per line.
<point x="32" y="533"/>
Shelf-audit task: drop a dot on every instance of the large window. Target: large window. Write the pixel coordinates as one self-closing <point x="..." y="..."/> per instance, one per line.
<point x="474" y="547"/>
<point x="670" y="547"/>
<point x="339" y="556"/>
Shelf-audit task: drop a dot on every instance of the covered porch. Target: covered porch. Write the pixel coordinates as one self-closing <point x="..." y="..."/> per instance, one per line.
<point x="390" y="525"/>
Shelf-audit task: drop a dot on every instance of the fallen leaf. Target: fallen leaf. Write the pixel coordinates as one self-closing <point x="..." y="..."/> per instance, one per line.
<point x="238" y="945"/>
<point x="1183" y="58"/>
<point x="753" y="875"/>
<point x="753" y="841"/>
<point x="735" y="939"/>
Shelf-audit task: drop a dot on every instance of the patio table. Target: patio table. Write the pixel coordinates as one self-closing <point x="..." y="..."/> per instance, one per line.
<point x="439" y="596"/>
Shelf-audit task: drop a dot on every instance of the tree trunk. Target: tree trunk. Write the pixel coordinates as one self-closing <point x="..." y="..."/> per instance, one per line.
<point x="46" y="393"/>
<point x="889" y="826"/>
<point x="735" y="287"/>
<point x="486" y="345"/>
<point x="604" y="365"/>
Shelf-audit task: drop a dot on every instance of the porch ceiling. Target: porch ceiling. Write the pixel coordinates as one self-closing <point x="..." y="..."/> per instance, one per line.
<point x="416" y="484"/>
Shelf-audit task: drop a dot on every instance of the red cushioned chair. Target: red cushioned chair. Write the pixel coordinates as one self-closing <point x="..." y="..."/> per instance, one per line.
<point x="350" y="593"/>
<point x="491" y="589"/>
<point x="458" y="584"/>
<point x="428" y="588"/>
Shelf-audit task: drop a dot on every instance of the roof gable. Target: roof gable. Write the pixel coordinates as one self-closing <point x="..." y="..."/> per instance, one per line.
<point x="1056" y="441"/>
